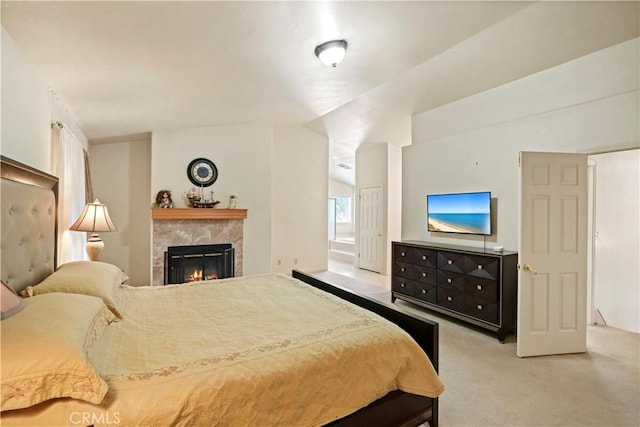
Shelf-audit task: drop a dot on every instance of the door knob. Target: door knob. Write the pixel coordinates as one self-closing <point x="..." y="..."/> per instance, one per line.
<point x="527" y="267"/>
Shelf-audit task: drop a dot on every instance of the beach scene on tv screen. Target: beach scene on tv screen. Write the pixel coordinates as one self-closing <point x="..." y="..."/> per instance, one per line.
<point x="459" y="213"/>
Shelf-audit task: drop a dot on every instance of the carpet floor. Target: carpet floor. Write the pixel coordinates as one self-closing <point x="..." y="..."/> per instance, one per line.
<point x="488" y="385"/>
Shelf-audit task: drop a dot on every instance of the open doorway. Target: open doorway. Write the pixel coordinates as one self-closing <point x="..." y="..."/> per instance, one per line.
<point x="341" y="222"/>
<point x="614" y="273"/>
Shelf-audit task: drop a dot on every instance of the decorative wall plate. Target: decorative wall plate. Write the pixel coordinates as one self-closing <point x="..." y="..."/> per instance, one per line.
<point x="202" y="172"/>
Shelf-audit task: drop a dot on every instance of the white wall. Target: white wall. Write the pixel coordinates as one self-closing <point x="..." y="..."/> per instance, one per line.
<point x="394" y="199"/>
<point x="242" y="155"/>
<point x="121" y="175"/>
<point x="299" y="186"/>
<point x="585" y="105"/>
<point x="28" y="109"/>
<point x="280" y="175"/>
<point x="26" y="115"/>
<point x="617" y="242"/>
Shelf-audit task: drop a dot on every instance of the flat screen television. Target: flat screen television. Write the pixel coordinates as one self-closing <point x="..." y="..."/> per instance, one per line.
<point x="465" y="213"/>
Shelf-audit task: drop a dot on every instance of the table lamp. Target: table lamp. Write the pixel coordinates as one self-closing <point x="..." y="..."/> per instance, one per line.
<point x="95" y="217"/>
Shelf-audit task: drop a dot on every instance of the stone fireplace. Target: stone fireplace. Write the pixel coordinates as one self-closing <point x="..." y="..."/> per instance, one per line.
<point x="193" y="263"/>
<point x="192" y="226"/>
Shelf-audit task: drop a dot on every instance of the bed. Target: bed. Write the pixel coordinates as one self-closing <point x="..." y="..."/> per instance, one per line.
<point x="271" y="349"/>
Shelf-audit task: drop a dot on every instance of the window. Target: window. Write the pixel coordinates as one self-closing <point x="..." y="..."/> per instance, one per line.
<point x="343" y="208"/>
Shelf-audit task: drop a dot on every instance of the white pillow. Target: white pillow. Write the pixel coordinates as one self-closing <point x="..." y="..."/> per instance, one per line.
<point x="94" y="278"/>
<point x="45" y="349"/>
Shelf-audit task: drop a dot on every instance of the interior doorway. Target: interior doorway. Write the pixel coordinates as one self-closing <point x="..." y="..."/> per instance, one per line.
<point x="341" y="240"/>
<point x="614" y="240"/>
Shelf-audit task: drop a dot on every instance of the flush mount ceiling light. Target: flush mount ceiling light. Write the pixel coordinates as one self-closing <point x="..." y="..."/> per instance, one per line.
<point x="332" y="52"/>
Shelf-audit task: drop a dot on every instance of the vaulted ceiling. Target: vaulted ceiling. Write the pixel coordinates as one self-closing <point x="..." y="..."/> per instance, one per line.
<point x="123" y="68"/>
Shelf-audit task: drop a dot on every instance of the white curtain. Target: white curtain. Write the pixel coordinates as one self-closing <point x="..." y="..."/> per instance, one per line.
<point x="68" y="166"/>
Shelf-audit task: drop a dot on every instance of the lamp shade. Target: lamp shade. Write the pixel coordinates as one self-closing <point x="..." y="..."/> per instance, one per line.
<point x="95" y="217"/>
<point x="332" y="52"/>
<point x="10" y="302"/>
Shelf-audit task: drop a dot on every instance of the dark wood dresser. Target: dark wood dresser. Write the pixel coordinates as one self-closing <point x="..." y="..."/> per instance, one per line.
<point x="476" y="286"/>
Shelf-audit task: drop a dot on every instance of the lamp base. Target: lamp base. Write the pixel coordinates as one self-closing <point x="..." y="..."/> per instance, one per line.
<point x="95" y="247"/>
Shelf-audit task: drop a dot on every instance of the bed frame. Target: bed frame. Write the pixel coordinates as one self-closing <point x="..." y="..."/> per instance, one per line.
<point x="396" y="408"/>
<point x="28" y="213"/>
<point x="29" y="230"/>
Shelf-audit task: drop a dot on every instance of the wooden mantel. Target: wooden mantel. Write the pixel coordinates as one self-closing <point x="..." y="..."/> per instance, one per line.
<point x="198" y="213"/>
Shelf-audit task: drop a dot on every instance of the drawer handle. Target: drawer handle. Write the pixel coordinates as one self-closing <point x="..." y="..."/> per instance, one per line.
<point x="449" y="262"/>
<point x="479" y="287"/>
<point x="401" y="253"/>
<point x="479" y="307"/>
<point x="424" y="274"/>
<point x="448" y="280"/>
<point x="402" y="285"/>
<point x="424" y="292"/>
<point x="402" y="269"/>
<point x="479" y="267"/>
<point x="424" y="257"/>
<point x="449" y="299"/>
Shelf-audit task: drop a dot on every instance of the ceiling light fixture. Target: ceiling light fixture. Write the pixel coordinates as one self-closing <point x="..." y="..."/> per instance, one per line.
<point x="332" y="52"/>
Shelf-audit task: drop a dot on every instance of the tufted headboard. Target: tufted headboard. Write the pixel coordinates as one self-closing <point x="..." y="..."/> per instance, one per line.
<point x="29" y="199"/>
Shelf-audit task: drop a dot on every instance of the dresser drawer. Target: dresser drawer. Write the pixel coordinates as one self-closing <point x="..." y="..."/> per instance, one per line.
<point x="403" y="254"/>
<point x="450" y="298"/>
<point x="451" y="261"/>
<point x="481" y="309"/>
<point x="449" y="280"/>
<point x="426" y="292"/>
<point x="415" y="289"/>
<point x="479" y="266"/>
<point x="426" y="274"/>
<point x="484" y="289"/>
<point x="404" y="269"/>
<point x="425" y="257"/>
<point x="401" y="284"/>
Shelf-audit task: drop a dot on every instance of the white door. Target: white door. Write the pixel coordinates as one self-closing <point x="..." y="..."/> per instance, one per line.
<point x="553" y="254"/>
<point x="370" y="242"/>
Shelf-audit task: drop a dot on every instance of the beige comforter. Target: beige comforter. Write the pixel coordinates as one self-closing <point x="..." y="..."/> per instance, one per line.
<point x="262" y="350"/>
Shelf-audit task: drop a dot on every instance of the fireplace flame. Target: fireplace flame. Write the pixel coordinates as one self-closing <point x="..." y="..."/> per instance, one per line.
<point x="197" y="276"/>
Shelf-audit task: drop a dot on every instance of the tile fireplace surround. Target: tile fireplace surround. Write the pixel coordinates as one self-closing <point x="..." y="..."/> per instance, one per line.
<point x="191" y="226"/>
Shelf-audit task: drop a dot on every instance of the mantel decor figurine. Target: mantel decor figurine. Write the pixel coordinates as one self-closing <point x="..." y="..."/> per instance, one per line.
<point x="233" y="201"/>
<point x="163" y="199"/>
<point x="197" y="199"/>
